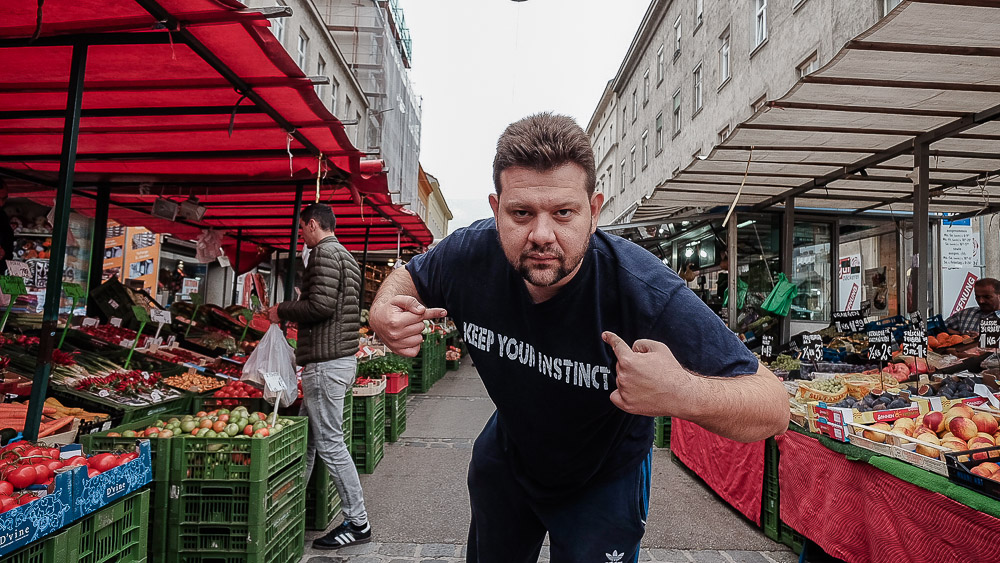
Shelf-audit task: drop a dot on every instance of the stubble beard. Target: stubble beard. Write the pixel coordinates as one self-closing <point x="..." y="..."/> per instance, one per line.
<point x="547" y="275"/>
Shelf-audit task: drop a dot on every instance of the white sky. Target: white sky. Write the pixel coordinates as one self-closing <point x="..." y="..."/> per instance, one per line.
<point x="482" y="64"/>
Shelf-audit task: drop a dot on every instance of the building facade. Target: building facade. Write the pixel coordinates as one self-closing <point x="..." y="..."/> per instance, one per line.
<point x="436" y="211"/>
<point x="696" y="69"/>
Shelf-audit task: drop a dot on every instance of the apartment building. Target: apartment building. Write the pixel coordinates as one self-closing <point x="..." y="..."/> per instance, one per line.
<point x="696" y="69"/>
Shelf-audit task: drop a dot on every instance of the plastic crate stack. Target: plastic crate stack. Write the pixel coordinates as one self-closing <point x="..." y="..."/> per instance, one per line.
<point x="396" y="392"/>
<point x="770" y="517"/>
<point x="322" y="499"/>
<point x="368" y="427"/>
<point x="429" y="365"/>
<point x="661" y="431"/>
<point x="117" y="532"/>
<point x="224" y="499"/>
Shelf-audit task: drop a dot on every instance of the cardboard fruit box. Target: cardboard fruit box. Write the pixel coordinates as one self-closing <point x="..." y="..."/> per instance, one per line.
<point x="37" y="519"/>
<point x="92" y="493"/>
<point x="841" y="415"/>
<point x="827" y="428"/>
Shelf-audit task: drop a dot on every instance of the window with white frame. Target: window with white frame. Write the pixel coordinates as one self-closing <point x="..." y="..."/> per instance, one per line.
<point x="889" y="5"/>
<point x="699" y="12"/>
<point x="760" y="21"/>
<point x="659" y="65"/>
<point x="677" y="36"/>
<point x="320" y="71"/>
<point x="724" y="68"/>
<point x="335" y="90"/>
<point x="723" y="134"/>
<point x="359" y="131"/>
<point x="632" y="154"/>
<point x="278" y="25"/>
<point x="696" y="91"/>
<point x="624" y="178"/>
<point x="635" y="104"/>
<point x="757" y="104"/>
<point x="677" y="111"/>
<point x="659" y="132"/>
<point x="624" y="119"/>
<point x="645" y="149"/>
<point x="303" y="49"/>
<point x="645" y="88"/>
<point x="808" y="66"/>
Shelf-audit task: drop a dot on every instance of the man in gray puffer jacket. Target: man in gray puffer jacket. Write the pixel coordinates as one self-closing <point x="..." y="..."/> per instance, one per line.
<point x="329" y="315"/>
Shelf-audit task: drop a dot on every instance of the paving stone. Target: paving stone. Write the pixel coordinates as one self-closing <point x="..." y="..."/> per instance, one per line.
<point x="782" y="556"/>
<point x="398" y="549"/>
<point x="747" y="557"/>
<point x="438" y="550"/>
<point x="707" y="556"/>
<point x="668" y="555"/>
<point x="438" y="445"/>
<point x="644" y="555"/>
<point x="366" y="559"/>
<point x="362" y="549"/>
<point x="401" y="561"/>
<point x="324" y="559"/>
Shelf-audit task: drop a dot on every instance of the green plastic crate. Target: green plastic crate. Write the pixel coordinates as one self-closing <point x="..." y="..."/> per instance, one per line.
<point x="238" y="459"/>
<point x="790" y="537"/>
<point x="395" y="414"/>
<point x="770" y="516"/>
<point x="322" y="500"/>
<point x="60" y="547"/>
<point x="117" y="532"/>
<point x="661" y="432"/>
<point x="218" y="542"/>
<point x="120" y="414"/>
<point x="209" y="403"/>
<point x="368" y="431"/>
<point x="234" y="502"/>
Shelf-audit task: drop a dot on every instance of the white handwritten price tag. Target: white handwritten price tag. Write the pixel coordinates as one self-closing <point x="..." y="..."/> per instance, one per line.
<point x="127" y="343"/>
<point x="103" y="393"/>
<point x="18" y="268"/>
<point x="115" y="321"/>
<point x="89" y="321"/>
<point x="156" y="396"/>
<point x="159" y="316"/>
<point x="273" y="382"/>
<point x="224" y="261"/>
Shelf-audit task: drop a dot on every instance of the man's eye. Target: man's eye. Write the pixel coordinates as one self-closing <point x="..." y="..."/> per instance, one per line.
<point x="564" y="212"/>
<point x="520" y="213"/>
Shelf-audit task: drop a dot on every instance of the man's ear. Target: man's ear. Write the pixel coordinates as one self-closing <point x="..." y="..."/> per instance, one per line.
<point x="596" y="202"/>
<point x="495" y="205"/>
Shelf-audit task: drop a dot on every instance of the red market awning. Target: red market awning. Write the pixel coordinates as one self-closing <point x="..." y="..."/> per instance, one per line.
<point x="180" y="97"/>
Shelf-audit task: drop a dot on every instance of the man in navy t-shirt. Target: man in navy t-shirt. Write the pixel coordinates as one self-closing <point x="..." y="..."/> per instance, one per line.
<point x="547" y="305"/>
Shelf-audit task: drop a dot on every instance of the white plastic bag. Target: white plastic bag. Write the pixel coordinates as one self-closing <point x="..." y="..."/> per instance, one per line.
<point x="209" y="246"/>
<point x="272" y="365"/>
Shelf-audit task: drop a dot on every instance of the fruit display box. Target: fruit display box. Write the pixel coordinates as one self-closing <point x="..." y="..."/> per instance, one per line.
<point x="829" y="429"/>
<point x="92" y="493"/>
<point x="37" y="519"/>
<point x="964" y="470"/>
<point x="944" y="403"/>
<point x="899" y="447"/>
<point x="841" y="415"/>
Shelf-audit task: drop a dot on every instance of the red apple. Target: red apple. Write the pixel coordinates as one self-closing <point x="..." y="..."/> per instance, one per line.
<point x="934" y="420"/>
<point x="985" y="422"/>
<point x="963" y="428"/>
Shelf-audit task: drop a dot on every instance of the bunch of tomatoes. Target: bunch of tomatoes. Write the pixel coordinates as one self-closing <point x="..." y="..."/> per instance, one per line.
<point x="23" y="465"/>
<point x="220" y="423"/>
<point x="237" y="390"/>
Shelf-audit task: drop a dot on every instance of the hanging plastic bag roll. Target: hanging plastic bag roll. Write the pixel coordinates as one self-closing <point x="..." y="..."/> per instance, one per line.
<point x="272" y="365"/>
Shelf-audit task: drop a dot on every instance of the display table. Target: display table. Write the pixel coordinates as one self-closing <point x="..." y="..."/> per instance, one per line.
<point x="857" y="512"/>
<point x="732" y="469"/>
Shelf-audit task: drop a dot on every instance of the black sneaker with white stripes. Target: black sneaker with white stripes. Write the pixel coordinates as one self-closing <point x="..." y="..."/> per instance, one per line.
<point x="344" y="535"/>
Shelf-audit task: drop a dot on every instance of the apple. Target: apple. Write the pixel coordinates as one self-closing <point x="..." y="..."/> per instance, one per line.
<point x="963" y="428"/>
<point x="928" y="451"/>
<point x="985" y="422"/>
<point x="934" y="420"/>
<point x="877" y="436"/>
<point x="961" y="409"/>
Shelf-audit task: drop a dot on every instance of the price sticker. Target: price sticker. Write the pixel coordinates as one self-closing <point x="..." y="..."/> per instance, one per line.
<point x="127" y="343"/>
<point x="141" y="314"/>
<point x="114" y="304"/>
<point x="74" y="291"/>
<point x="90" y="321"/>
<point x="880" y="345"/>
<point x="767" y="347"/>
<point x="18" y="268"/>
<point x="848" y="321"/>
<point x="103" y="393"/>
<point x="989" y="332"/>
<point x="914" y="343"/>
<point x="274" y="382"/>
<point x="156" y="396"/>
<point x="812" y="348"/>
<point x="13" y="285"/>
<point x="116" y="322"/>
<point x="160" y="316"/>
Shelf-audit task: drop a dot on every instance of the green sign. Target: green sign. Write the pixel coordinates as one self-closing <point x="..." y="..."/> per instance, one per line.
<point x="141" y="314"/>
<point x="75" y="291"/>
<point x="13" y="285"/>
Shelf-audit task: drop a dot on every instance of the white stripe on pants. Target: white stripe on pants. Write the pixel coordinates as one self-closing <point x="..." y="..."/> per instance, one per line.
<point x="324" y="385"/>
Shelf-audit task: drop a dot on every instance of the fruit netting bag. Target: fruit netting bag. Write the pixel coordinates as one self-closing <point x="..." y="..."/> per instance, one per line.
<point x="779" y="301"/>
<point x="273" y="360"/>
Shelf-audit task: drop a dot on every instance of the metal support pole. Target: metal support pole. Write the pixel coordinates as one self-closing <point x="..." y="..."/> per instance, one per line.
<point x="921" y="224"/>
<point x="787" y="247"/>
<point x="293" y="246"/>
<point x="97" y="245"/>
<point x="236" y="270"/>
<point x="364" y="266"/>
<point x="734" y="272"/>
<point x="64" y="197"/>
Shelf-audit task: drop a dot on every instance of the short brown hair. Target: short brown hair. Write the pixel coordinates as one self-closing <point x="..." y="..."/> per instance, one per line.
<point x="542" y="142"/>
<point x="322" y="213"/>
<point x="992" y="282"/>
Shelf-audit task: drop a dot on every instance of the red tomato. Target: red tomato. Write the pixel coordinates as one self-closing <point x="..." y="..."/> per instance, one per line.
<point x="248" y="430"/>
<point x="25" y="499"/>
<point x="54" y="465"/>
<point x="22" y="477"/>
<point x="43" y="473"/>
<point x="76" y="461"/>
<point x="7" y="502"/>
<point x="6" y="488"/>
<point x="125" y="458"/>
<point x="54" y="453"/>
<point x="103" y="462"/>
<point x="92" y="473"/>
<point x="223" y="418"/>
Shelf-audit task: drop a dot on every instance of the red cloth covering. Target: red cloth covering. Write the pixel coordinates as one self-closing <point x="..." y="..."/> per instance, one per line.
<point x="858" y="513"/>
<point x="732" y="469"/>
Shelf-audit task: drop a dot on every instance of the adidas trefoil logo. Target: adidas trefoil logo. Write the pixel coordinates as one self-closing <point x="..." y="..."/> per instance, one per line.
<point x="614" y="556"/>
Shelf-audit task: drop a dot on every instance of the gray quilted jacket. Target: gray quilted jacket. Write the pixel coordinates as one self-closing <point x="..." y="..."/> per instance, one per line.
<point x="328" y="311"/>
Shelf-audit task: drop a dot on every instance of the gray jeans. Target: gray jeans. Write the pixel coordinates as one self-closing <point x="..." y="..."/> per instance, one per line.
<point x="324" y="385"/>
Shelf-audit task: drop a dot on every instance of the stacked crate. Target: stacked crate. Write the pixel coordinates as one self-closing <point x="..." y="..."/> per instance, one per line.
<point x="661" y="431"/>
<point x="395" y="409"/>
<point x="368" y="426"/>
<point x="322" y="499"/>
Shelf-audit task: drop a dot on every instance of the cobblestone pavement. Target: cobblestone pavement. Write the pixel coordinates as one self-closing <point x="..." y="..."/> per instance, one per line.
<point x="450" y="553"/>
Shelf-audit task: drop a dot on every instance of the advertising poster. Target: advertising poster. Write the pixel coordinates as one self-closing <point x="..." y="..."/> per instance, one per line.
<point x="849" y="278"/>
<point x="877" y="291"/>
<point x="960" y="265"/>
<point x="142" y="257"/>
<point x="114" y="251"/>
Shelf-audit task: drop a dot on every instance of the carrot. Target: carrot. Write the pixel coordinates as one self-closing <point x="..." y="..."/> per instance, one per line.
<point x="49" y="428"/>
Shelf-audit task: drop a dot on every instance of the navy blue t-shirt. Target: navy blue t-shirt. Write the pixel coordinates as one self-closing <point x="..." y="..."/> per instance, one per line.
<point x="545" y="365"/>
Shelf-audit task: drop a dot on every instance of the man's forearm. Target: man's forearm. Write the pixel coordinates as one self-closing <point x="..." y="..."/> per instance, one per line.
<point x="745" y="408"/>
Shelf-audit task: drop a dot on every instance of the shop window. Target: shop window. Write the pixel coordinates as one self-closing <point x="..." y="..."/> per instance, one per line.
<point x="811" y="272"/>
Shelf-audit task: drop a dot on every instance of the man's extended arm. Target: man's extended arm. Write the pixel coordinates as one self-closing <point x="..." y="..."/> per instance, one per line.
<point x="397" y="315"/>
<point x="652" y="382"/>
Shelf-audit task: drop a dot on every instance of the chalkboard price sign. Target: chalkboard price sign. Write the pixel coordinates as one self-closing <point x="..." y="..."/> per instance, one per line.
<point x="880" y="345"/>
<point x="812" y="348"/>
<point x="914" y="343"/>
<point x="848" y="321"/>
<point x="767" y="347"/>
<point x="989" y="332"/>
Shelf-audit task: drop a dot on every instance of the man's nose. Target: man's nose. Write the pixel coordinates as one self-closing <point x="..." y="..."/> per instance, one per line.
<point x="542" y="231"/>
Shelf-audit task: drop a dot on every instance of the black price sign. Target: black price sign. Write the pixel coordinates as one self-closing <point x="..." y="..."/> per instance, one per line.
<point x="880" y="345"/>
<point x="989" y="332"/>
<point x="916" y="320"/>
<point x="848" y="321"/>
<point x="914" y="343"/>
<point x="767" y="347"/>
<point x="812" y="348"/>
